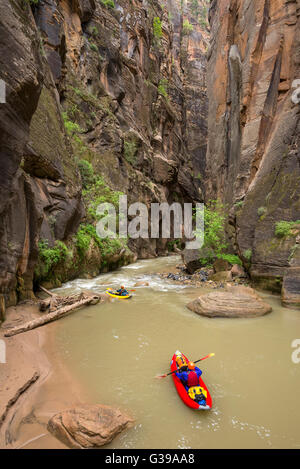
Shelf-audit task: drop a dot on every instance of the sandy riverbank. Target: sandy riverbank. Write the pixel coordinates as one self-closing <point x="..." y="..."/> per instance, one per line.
<point x="33" y="383"/>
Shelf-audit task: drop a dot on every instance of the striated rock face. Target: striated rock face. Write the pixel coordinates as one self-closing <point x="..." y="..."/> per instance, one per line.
<point x="88" y="426"/>
<point x="37" y="175"/>
<point x="291" y="281"/>
<point x="235" y="302"/>
<point x="254" y="127"/>
<point x="20" y="65"/>
<point x="93" y="82"/>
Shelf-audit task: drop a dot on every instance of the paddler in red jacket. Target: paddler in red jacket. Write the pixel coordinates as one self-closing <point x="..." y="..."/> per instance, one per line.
<point x="191" y="377"/>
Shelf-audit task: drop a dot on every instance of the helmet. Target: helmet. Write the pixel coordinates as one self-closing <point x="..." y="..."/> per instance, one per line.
<point x="191" y="365"/>
<point x="122" y="286"/>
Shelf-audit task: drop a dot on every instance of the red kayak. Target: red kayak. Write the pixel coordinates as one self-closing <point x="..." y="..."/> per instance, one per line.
<point x="185" y="395"/>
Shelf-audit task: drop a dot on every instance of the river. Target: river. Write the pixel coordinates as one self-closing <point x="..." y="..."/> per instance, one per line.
<point x="115" y="350"/>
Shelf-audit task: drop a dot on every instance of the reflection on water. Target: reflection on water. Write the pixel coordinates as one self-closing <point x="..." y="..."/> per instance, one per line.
<point x="117" y="349"/>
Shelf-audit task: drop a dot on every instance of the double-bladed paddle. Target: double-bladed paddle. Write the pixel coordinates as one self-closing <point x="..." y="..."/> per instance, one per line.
<point x="197" y="361"/>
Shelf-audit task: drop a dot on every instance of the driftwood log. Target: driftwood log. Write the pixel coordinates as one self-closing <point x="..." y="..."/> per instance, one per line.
<point x="54" y="302"/>
<point x="59" y="307"/>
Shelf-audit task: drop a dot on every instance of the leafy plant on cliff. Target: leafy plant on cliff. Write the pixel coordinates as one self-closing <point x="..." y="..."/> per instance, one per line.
<point x="93" y="47"/>
<point x="174" y="243"/>
<point x="214" y="232"/>
<point x="283" y="228"/>
<point x="97" y="193"/>
<point x="248" y="255"/>
<point x="87" y="233"/>
<point x="130" y="150"/>
<point x="157" y="28"/>
<point x="32" y="3"/>
<point x="239" y="204"/>
<point x="83" y="239"/>
<point x="162" y="87"/>
<point x="93" y="30"/>
<point x="70" y="126"/>
<point x="49" y="257"/>
<point x="195" y="8"/>
<point x="108" y="3"/>
<point x="187" y="27"/>
<point x="231" y="258"/>
<point x="86" y="172"/>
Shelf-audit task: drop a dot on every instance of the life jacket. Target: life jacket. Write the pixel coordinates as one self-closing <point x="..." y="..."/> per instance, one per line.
<point x="197" y="393"/>
<point x="193" y="379"/>
<point x="181" y="362"/>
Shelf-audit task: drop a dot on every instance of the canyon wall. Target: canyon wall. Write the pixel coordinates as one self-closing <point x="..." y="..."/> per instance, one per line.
<point x="114" y="91"/>
<point x="253" y="158"/>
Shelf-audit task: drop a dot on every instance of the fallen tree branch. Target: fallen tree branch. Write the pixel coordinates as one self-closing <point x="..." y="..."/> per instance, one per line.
<point x="55" y="302"/>
<point x="47" y="291"/>
<point x="52" y="316"/>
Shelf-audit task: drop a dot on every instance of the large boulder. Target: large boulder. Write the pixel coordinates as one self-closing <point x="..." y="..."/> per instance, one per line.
<point x="223" y="276"/>
<point x="238" y="271"/>
<point x="234" y="302"/>
<point x="192" y="258"/>
<point x="88" y="426"/>
<point x="220" y="265"/>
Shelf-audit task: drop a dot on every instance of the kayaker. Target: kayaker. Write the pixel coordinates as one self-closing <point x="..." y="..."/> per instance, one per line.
<point x="181" y="362"/>
<point x="190" y="377"/>
<point x="122" y="291"/>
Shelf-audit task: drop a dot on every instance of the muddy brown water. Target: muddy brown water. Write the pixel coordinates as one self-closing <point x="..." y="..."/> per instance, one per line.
<point x="115" y="350"/>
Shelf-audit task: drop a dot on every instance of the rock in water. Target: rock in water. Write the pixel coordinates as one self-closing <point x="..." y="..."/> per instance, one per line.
<point x="234" y="302"/>
<point x="88" y="426"/>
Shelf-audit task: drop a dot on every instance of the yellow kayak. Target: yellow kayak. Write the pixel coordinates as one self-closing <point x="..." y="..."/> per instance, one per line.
<point x="116" y="295"/>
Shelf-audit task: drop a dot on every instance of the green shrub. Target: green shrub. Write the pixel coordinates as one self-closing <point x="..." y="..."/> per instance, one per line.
<point x="187" y="27"/>
<point x="247" y="254"/>
<point x="214" y="231"/>
<point x="130" y="150"/>
<point x="83" y="240"/>
<point x="173" y="243"/>
<point x="97" y="193"/>
<point x="94" y="31"/>
<point x="162" y="87"/>
<point x="108" y="3"/>
<point x="284" y="228"/>
<point x="231" y="258"/>
<point x="239" y="204"/>
<point x="157" y="27"/>
<point x="87" y="173"/>
<point x="87" y="233"/>
<point x="195" y="8"/>
<point x="261" y="211"/>
<point x="93" y="47"/>
<point x="50" y="257"/>
<point x="203" y="23"/>
<point x="71" y="127"/>
<point x="109" y="246"/>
